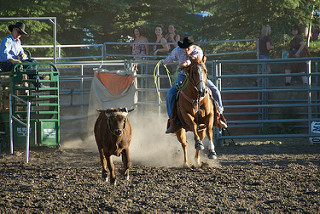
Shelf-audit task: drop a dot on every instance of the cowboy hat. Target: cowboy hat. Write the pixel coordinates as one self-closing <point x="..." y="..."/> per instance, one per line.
<point x="187" y="42"/>
<point x="19" y="25"/>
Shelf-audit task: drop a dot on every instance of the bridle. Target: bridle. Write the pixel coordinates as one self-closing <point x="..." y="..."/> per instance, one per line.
<point x="201" y="79"/>
<point x="196" y="102"/>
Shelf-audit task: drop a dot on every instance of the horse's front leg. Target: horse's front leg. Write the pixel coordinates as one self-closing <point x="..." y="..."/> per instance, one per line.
<point x="202" y="135"/>
<point x="211" y="150"/>
<point x="182" y="138"/>
<point x="194" y="129"/>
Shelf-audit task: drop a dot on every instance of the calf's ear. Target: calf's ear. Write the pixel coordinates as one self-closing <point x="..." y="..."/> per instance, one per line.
<point x="123" y="110"/>
<point x="130" y="110"/>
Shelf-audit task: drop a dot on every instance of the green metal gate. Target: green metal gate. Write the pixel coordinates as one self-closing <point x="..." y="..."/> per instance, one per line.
<point x="45" y="110"/>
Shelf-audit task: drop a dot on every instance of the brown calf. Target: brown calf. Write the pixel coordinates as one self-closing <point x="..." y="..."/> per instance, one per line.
<point x="113" y="136"/>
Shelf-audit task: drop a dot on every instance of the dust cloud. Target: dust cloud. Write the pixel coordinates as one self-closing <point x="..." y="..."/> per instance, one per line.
<point x="150" y="146"/>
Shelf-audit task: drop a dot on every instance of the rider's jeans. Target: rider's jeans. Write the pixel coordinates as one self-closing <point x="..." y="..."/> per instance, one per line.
<point x="172" y="93"/>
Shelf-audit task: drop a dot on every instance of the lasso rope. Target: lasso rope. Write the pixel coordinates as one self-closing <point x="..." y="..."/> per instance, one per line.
<point x="156" y="73"/>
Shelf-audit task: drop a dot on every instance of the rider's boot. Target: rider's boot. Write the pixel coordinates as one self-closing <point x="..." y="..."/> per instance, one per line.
<point x="170" y="126"/>
<point x="222" y="124"/>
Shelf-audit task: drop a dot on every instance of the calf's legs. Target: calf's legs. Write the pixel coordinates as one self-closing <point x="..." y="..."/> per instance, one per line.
<point x="111" y="169"/>
<point x="103" y="164"/>
<point x="126" y="163"/>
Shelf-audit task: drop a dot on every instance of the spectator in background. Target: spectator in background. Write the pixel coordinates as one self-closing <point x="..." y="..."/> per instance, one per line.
<point x="265" y="43"/>
<point x="161" y="49"/>
<point x="265" y="46"/>
<point x="297" y="48"/>
<point x="172" y="37"/>
<point x="139" y="49"/>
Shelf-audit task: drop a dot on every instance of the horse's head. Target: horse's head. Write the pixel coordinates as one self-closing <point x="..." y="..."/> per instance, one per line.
<point x="197" y="72"/>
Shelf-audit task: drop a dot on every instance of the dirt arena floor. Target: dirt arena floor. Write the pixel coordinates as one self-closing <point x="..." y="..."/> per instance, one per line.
<point x="267" y="177"/>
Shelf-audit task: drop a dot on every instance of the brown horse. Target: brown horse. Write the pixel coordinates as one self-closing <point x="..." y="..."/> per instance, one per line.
<point x="195" y="110"/>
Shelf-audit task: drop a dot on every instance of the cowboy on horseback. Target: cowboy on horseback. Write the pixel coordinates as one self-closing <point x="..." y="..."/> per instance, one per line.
<point x="181" y="54"/>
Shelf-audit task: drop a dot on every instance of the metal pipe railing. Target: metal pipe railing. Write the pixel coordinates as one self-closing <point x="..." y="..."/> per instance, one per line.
<point x="26" y="124"/>
<point x="145" y="86"/>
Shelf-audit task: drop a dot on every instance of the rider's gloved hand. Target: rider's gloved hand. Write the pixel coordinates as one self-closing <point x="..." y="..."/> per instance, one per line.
<point x="14" y="61"/>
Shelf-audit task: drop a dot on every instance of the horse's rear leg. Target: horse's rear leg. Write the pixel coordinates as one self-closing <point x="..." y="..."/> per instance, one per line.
<point x="182" y="138"/>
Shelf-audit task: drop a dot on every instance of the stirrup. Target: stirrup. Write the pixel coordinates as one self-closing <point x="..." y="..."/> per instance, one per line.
<point x="222" y="125"/>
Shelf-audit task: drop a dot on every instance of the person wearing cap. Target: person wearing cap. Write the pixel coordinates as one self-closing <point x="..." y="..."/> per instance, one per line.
<point x="180" y="54"/>
<point x="11" y="51"/>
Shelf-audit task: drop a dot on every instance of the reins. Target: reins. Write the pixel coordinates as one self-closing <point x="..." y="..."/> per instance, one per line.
<point x="193" y="102"/>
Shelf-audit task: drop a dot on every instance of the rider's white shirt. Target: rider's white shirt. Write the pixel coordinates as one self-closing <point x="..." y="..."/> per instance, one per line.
<point x="179" y="55"/>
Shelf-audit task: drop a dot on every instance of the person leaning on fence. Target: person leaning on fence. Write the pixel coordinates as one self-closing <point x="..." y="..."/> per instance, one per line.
<point x="12" y="53"/>
<point x="139" y="50"/>
<point x="297" y="49"/>
<point x="180" y="54"/>
<point x="172" y="37"/>
<point x="159" y="49"/>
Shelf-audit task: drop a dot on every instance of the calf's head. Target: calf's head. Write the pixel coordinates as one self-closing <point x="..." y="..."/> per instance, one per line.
<point x="116" y="119"/>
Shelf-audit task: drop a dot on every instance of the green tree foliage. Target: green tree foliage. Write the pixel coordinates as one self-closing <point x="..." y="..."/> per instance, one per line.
<point x="235" y="19"/>
<point x="98" y="21"/>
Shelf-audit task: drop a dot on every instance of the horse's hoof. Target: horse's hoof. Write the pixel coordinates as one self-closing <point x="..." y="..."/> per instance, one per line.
<point x="197" y="163"/>
<point x="104" y="179"/>
<point x="199" y="145"/>
<point x="186" y="165"/>
<point x="126" y="177"/>
<point x="212" y="154"/>
<point x="113" y="182"/>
